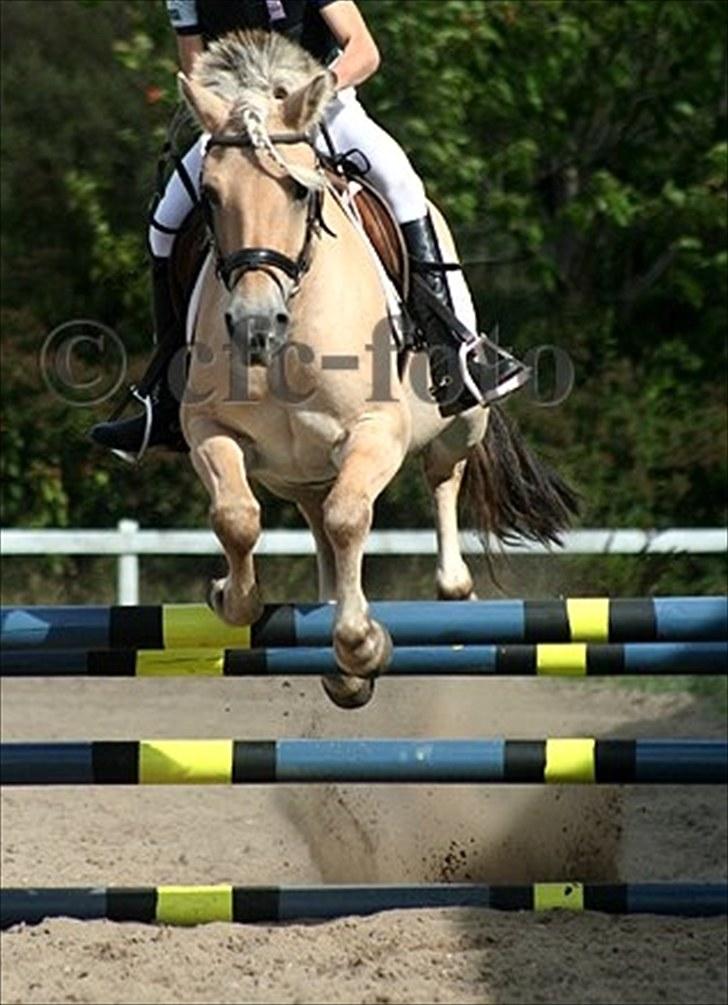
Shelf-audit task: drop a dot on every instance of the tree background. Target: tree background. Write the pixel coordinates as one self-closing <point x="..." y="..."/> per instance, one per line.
<point x="578" y="149"/>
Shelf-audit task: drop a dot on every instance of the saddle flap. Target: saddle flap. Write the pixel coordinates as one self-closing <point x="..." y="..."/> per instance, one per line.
<point x="188" y="256"/>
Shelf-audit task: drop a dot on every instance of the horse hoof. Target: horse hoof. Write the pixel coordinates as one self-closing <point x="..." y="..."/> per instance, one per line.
<point x="248" y="610"/>
<point x="348" y="692"/>
<point x="367" y="656"/>
<point x="447" y="597"/>
<point x="456" y="587"/>
<point x="214" y="597"/>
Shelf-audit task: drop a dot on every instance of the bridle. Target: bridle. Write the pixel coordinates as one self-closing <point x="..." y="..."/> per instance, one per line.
<point x="237" y="263"/>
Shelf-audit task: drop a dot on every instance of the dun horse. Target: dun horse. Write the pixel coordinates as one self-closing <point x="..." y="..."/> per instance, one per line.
<point x="284" y="388"/>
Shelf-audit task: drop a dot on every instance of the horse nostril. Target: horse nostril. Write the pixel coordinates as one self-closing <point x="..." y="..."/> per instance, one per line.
<point x="230" y="323"/>
<point x="281" y="319"/>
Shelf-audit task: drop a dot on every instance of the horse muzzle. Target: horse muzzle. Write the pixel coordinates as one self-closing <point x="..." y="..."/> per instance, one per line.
<point x="258" y="337"/>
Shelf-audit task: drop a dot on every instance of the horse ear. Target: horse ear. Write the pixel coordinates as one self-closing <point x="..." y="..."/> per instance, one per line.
<point x="305" y="106"/>
<point x="210" y="111"/>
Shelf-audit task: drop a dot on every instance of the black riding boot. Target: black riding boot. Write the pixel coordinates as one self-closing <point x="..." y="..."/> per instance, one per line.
<point x="494" y="372"/>
<point x="158" y="425"/>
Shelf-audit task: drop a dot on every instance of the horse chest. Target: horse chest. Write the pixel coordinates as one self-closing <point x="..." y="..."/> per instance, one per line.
<point x="297" y="448"/>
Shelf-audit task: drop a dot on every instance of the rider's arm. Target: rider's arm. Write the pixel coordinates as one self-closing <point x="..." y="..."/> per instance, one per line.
<point x="183" y="15"/>
<point x="188" y="47"/>
<point x="359" y="58"/>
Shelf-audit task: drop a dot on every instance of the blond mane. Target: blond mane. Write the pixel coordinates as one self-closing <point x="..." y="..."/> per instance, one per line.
<point x="248" y="68"/>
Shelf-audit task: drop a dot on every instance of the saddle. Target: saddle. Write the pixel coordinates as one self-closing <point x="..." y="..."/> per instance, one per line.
<point x="377" y="220"/>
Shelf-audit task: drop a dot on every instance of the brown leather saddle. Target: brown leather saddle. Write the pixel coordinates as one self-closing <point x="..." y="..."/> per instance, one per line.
<point x="380" y="226"/>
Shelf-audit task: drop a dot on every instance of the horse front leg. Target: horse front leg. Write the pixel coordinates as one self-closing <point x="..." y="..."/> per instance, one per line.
<point x="235" y="518"/>
<point x="363" y="647"/>
<point x="311" y="506"/>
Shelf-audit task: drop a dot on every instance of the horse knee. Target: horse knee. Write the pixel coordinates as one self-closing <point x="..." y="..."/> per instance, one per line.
<point x="237" y="524"/>
<point x="346" y="519"/>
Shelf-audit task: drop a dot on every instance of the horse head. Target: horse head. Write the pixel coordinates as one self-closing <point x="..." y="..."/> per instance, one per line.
<point x="263" y="206"/>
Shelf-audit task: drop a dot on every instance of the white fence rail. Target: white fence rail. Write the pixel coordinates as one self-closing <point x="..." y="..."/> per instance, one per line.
<point x="128" y="542"/>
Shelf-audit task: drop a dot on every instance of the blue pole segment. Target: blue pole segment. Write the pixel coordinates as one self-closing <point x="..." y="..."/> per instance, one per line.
<point x="685" y="619"/>
<point x="407" y="661"/>
<point x="676" y="657"/>
<point x="458" y="622"/>
<point x="42" y="663"/>
<point x="411" y="622"/>
<point x="339" y="901"/>
<point x="686" y="899"/>
<point x="390" y="760"/>
<point x="32" y="906"/>
<point x="55" y="627"/>
<point x="46" y="763"/>
<point x="429" y="661"/>
<point x="301" y="660"/>
<point x="689" y="761"/>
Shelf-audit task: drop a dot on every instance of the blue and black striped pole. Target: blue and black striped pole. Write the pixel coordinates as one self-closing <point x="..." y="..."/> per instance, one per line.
<point x="411" y="623"/>
<point x="577" y="760"/>
<point x="185" y="905"/>
<point x="567" y="659"/>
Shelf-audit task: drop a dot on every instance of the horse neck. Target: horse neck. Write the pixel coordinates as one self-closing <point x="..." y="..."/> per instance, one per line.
<point x="341" y="278"/>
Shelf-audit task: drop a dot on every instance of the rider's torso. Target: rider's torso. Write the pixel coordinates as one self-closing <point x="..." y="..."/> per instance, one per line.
<point x="299" y="20"/>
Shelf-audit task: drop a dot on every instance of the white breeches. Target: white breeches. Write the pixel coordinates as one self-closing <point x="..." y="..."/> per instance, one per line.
<point x="391" y="173"/>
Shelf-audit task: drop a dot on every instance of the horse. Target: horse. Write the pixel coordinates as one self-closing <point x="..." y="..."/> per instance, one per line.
<point x="283" y="386"/>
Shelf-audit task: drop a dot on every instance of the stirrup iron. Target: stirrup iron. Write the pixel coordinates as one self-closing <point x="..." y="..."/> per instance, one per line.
<point x="146" y="401"/>
<point x="475" y="348"/>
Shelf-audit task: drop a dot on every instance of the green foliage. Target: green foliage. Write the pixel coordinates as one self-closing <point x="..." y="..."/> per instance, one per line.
<point x="115" y="259"/>
<point x="578" y="149"/>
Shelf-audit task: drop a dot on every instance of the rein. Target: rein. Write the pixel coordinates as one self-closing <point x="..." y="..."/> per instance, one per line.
<point x="266" y="259"/>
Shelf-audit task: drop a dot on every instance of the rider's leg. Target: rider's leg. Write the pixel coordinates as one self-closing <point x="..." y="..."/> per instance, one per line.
<point x="162" y="428"/>
<point x="393" y="176"/>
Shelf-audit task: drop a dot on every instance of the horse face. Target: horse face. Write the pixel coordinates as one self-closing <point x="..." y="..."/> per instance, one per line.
<point x="262" y="220"/>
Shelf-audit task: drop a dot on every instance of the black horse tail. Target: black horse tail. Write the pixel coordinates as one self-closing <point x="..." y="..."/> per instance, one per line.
<point x="510" y="494"/>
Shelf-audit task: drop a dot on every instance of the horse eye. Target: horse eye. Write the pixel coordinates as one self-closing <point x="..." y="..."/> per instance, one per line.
<point x="300" y="192"/>
<point x="211" y="195"/>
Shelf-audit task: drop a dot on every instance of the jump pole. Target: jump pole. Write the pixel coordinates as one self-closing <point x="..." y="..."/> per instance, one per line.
<point x="186" y="905"/>
<point x="570" y="760"/>
<point x="568" y="659"/>
<point x="411" y="623"/>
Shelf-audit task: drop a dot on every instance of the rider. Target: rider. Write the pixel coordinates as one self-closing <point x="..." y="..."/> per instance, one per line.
<point x="335" y="33"/>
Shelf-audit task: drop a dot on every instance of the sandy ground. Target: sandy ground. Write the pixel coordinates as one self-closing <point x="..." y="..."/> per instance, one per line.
<point x="317" y="834"/>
